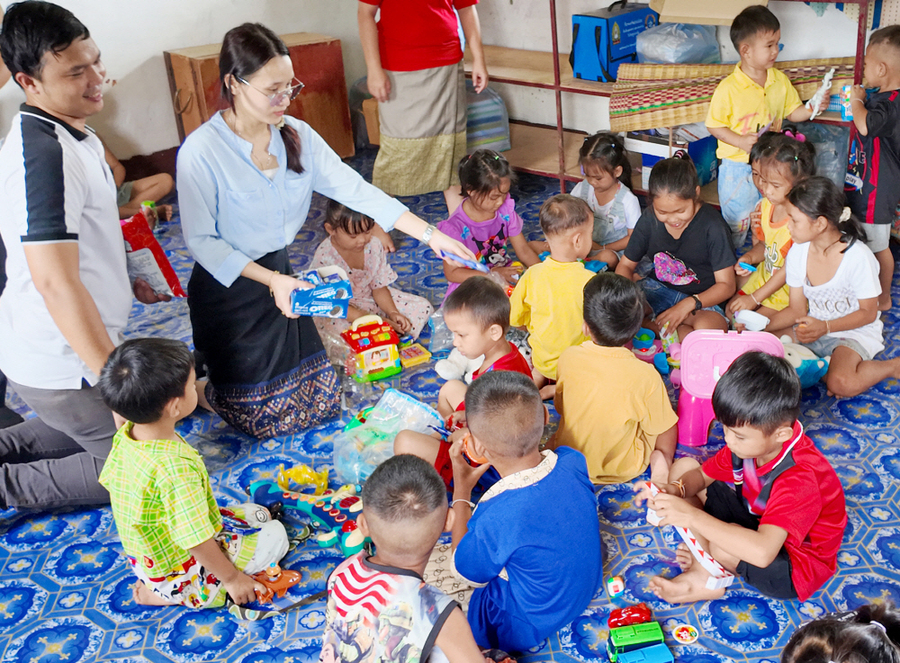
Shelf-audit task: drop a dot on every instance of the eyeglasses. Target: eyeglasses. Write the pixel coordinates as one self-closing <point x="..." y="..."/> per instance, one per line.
<point x="277" y="98"/>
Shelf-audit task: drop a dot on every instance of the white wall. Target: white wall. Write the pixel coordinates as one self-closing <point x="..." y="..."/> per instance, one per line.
<point x="132" y="35"/>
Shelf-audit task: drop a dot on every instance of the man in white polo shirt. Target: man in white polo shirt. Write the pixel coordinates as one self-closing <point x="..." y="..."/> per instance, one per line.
<point x="67" y="297"/>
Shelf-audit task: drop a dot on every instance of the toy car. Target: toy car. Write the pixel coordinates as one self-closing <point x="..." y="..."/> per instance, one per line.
<point x="629" y="638"/>
<point x="630" y="615"/>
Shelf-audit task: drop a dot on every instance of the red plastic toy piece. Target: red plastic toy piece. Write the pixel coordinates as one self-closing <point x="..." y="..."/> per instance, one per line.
<point x="630" y="615"/>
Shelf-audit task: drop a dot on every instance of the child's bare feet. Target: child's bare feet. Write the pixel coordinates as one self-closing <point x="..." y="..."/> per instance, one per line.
<point x="688" y="587"/>
<point x="659" y="468"/>
<point x="202" y="401"/>
<point x="164" y="212"/>
<point x="142" y="595"/>
<point x="683" y="558"/>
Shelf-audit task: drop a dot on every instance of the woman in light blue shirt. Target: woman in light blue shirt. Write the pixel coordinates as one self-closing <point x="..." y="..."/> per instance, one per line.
<point x="245" y="183"/>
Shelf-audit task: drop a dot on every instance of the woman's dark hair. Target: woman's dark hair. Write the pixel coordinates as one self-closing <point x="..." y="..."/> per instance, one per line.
<point x="869" y="634"/>
<point x="245" y="50"/>
<point x="482" y="171"/>
<point x="142" y="375"/>
<point x="798" y="156"/>
<point x="819" y="196"/>
<point x="404" y="487"/>
<point x="613" y="309"/>
<point x="341" y="217"/>
<point x="675" y="175"/>
<point x="31" y="29"/>
<point x="758" y="390"/>
<point x="607" y="151"/>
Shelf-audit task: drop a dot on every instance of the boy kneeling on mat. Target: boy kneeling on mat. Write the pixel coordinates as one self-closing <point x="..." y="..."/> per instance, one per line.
<point x="168" y="520"/>
<point x="768" y="506"/>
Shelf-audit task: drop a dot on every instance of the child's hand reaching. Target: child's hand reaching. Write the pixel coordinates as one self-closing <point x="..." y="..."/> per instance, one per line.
<point x="643" y="492"/>
<point x="510" y="273"/>
<point x="674" y="316"/>
<point x="742" y="303"/>
<point x="464" y="475"/>
<point x="399" y="322"/>
<point x="810" y="329"/>
<point x="244" y="589"/>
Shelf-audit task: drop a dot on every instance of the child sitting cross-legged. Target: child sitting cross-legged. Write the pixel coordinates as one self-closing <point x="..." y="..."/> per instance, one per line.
<point x="170" y="526"/>
<point x="532" y="545"/>
<point x="477" y="312"/>
<point x="612" y="406"/>
<point x="547" y="299"/>
<point x="378" y="605"/>
<point x="768" y="506"/>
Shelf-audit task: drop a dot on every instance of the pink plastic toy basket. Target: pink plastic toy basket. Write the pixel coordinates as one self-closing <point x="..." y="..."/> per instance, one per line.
<point x="705" y="355"/>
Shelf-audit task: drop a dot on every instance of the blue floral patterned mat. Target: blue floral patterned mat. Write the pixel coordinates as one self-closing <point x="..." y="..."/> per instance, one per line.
<point x="65" y="591"/>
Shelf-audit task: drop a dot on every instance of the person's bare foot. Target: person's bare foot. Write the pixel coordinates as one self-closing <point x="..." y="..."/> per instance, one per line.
<point x="659" y="468"/>
<point x="200" y="386"/>
<point x="683" y="558"/>
<point x="684" y="588"/>
<point x="142" y="595"/>
<point x="548" y="391"/>
<point x="164" y="212"/>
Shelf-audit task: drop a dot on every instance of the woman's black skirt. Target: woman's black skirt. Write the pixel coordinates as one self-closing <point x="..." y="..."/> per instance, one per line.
<point x="268" y="374"/>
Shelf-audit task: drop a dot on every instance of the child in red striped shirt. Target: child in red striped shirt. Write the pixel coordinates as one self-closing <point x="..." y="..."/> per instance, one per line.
<point x="379" y="605"/>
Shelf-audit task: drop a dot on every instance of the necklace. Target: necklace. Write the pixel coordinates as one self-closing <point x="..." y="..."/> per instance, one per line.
<point x="264" y="161"/>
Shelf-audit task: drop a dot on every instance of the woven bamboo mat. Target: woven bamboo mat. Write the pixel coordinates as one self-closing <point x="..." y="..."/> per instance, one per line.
<point x="666" y="95"/>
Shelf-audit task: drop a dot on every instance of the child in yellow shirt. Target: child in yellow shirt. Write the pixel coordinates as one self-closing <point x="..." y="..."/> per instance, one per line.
<point x="779" y="161"/>
<point x="612" y="406"/>
<point x="547" y="299"/>
<point x="754" y="98"/>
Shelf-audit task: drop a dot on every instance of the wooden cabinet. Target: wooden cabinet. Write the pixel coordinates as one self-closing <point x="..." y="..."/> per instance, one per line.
<point x="196" y="92"/>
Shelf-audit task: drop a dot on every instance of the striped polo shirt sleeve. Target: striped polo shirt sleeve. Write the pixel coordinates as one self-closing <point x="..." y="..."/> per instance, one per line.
<point x="55" y="197"/>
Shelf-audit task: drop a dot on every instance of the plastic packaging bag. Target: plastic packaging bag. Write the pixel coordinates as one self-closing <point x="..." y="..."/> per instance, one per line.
<point x="678" y="42"/>
<point x="832" y="144"/>
<point x="487" y="126"/>
<point x="146" y="258"/>
<point x="358" y="451"/>
<point x="441" y="336"/>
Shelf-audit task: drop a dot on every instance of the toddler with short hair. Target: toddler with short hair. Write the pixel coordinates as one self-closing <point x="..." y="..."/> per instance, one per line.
<point x="168" y="520"/>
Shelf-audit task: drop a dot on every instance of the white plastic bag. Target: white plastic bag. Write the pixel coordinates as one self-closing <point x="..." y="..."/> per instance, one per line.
<point x="358" y="451"/>
<point x="678" y="43"/>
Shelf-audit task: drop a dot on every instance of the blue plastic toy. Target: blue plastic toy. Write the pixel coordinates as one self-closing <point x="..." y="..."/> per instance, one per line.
<point x="595" y="266"/>
<point x="333" y="513"/>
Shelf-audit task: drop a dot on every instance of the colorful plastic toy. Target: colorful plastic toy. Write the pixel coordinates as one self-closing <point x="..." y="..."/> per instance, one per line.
<point x="303" y="475"/>
<point x="359" y="419"/>
<point x="595" y="266"/>
<point x="276" y="582"/>
<point x="413" y="355"/>
<point x="651" y="654"/>
<point x="631" y="638"/>
<point x="615" y="586"/>
<point x="333" y="513"/>
<point x="375" y="344"/>
<point x="685" y="634"/>
<point x="629" y="616"/>
<point x="705" y="356"/>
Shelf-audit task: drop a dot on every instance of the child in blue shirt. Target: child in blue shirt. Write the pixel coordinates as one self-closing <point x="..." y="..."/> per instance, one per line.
<point x="532" y="546"/>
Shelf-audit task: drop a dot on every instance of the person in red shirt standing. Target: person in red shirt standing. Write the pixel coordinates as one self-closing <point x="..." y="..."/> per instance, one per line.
<point x="415" y="71"/>
<point x="768" y="506"/>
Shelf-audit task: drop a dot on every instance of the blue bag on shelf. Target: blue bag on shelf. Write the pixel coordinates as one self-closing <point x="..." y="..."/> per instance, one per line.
<point x="604" y="39"/>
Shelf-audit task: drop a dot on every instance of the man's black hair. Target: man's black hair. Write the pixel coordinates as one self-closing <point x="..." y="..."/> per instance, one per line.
<point x="404" y="487"/>
<point x="750" y="22"/>
<point x="32" y="29"/>
<point x="142" y="375"/>
<point x="504" y="411"/>
<point x="483" y="299"/>
<point x="758" y="390"/>
<point x="613" y="309"/>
